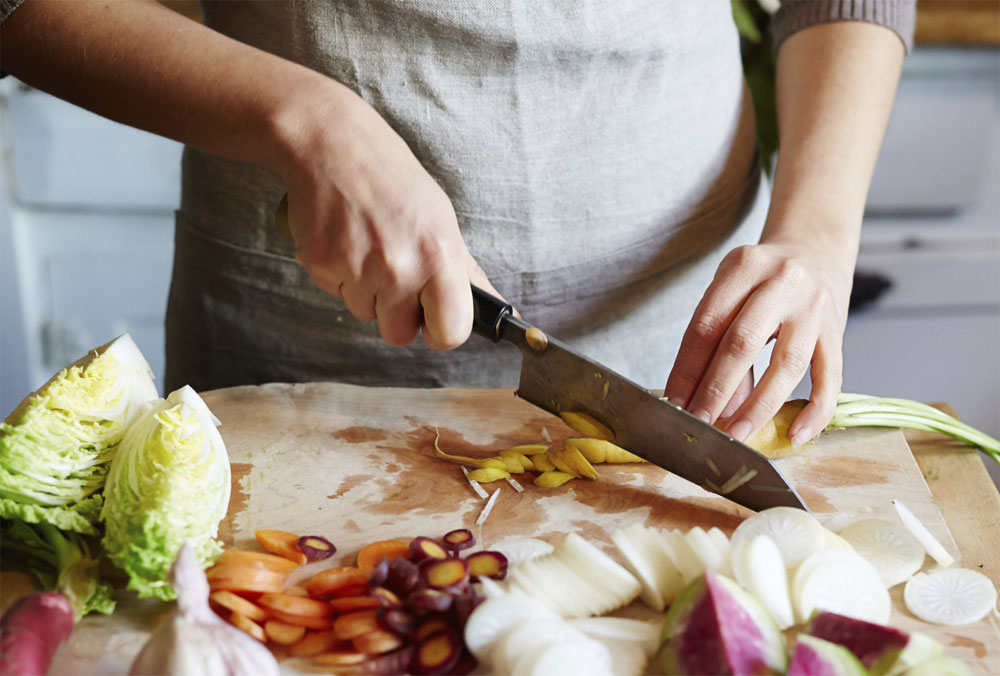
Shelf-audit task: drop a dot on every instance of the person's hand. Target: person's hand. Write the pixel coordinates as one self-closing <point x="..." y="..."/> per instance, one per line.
<point x="782" y="291"/>
<point x="373" y="228"/>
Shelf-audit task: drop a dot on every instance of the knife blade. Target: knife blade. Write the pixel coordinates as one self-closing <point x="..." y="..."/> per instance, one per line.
<point x="556" y="378"/>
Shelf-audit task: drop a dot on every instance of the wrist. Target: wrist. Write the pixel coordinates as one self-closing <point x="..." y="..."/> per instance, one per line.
<point x="303" y="120"/>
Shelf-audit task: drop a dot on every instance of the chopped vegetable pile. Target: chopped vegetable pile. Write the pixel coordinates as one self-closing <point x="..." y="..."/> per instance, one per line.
<point x="401" y="608"/>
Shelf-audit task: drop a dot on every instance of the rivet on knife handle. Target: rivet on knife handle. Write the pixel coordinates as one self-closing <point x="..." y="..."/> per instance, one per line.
<point x="488" y="312"/>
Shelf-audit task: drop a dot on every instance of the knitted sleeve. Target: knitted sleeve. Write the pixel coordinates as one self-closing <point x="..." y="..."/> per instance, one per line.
<point x="794" y="15"/>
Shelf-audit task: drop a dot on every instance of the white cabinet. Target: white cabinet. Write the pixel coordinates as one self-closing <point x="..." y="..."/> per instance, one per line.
<point x="86" y="212"/>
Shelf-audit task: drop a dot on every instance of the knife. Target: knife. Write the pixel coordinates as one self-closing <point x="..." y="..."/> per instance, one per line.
<point x="556" y="378"/>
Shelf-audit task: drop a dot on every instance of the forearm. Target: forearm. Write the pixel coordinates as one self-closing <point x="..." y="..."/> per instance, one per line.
<point x="143" y="65"/>
<point x="835" y="87"/>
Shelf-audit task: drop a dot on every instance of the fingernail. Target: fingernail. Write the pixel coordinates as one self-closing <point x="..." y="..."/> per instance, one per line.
<point x="740" y="430"/>
<point x="801" y="438"/>
<point x="677" y="401"/>
<point x="702" y="414"/>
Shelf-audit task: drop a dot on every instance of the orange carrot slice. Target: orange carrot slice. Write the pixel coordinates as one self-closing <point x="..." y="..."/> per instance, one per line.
<point x="340" y="658"/>
<point x="284" y="634"/>
<point x="359" y="622"/>
<point x="281" y="543"/>
<point x="327" y="582"/>
<point x="244" y="579"/>
<point x="347" y="604"/>
<point x="238" y="604"/>
<point x="377" y="642"/>
<point x="374" y="552"/>
<point x="295" y="605"/>
<point x="315" y="643"/>
<point x="249" y="626"/>
<point x="319" y="623"/>
<point x="243" y="557"/>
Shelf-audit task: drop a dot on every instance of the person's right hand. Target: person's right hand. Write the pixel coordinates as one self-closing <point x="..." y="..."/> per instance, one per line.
<point x="372" y="227"/>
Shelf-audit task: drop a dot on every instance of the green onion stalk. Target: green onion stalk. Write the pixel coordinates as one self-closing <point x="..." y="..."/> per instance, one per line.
<point x="860" y="410"/>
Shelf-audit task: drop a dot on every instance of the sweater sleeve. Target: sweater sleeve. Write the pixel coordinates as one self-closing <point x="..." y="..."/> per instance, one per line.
<point x="7" y="8"/>
<point x="794" y="15"/>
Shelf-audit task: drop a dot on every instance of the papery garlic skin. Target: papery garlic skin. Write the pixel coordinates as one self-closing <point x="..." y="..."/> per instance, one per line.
<point x="194" y="641"/>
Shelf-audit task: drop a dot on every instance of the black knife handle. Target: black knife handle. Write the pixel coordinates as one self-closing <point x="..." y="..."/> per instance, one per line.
<point x="487" y="313"/>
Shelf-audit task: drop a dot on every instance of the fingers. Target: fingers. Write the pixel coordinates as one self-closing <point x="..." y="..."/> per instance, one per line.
<point x="712" y="317"/>
<point x="447" y="309"/>
<point x="743" y="391"/>
<point x="789" y="362"/>
<point x="826" y="374"/>
<point x="758" y="319"/>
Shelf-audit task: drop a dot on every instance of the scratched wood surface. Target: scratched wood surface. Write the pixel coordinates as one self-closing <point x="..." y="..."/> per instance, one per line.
<point x="357" y="464"/>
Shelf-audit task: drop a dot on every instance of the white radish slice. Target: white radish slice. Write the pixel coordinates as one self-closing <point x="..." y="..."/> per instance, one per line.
<point x="672" y="542"/>
<point x="893" y="550"/>
<point x="669" y="580"/>
<point x="599" y="569"/>
<point x="725" y="547"/>
<point x="952" y="596"/>
<point x="644" y="634"/>
<point x="919" y="531"/>
<point x="526" y="637"/>
<point x="490" y="588"/>
<point x="575" y="596"/>
<point x="637" y="562"/>
<point x="526" y="579"/>
<point x="546" y="574"/>
<point x="841" y="582"/>
<point x="521" y="549"/>
<point x="708" y="554"/>
<point x="834" y="541"/>
<point x="765" y="578"/>
<point x="736" y="561"/>
<point x="495" y="617"/>
<point x="628" y="658"/>
<point x="797" y="533"/>
<point x="568" y="658"/>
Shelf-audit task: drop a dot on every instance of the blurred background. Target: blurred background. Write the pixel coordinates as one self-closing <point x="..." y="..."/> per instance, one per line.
<point x="86" y="230"/>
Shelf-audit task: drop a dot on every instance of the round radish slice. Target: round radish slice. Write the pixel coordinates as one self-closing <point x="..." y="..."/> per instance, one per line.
<point x="529" y="636"/>
<point x="677" y="548"/>
<point x="833" y="541"/>
<point x="708" y="554"/>
<point x="645" y="634"/>
<point x="490" y="588"/>
<point x="892" y="549"/>
<point x="521" y="549"/>
<point x="495" y="617"/>
<point x="919" y="531"/>
<point x="725" y="547"/>
<point x="797" y="533"/>
<point x="669" y="580"/>
<point x="841" y="582"/>
<point x="765" y="578"/>
<point x="628" y="658"/>
<point x="599" y="569"/>
<point x="953" y="596"/>
<point x="568" y="658"/>
<point x="638" y="563"/>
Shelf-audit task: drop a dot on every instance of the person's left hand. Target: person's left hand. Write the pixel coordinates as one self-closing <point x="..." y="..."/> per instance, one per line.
<point x="785" y="291"/>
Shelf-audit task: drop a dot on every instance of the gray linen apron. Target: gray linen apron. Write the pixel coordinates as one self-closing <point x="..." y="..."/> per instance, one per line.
<point x="600" y="157"/>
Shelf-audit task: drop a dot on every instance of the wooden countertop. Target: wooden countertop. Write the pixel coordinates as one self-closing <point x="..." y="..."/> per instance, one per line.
<point x="965" y="494"/>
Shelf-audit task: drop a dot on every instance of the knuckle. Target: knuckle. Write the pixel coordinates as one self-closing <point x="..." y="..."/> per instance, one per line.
<point x="744" y="341"/>
<point x="742" y="256"/>
<point x="716" y="391"/>
<point x="791" y="271"/>
<point x="707" y="328"/>
<point x="794" y="359"/>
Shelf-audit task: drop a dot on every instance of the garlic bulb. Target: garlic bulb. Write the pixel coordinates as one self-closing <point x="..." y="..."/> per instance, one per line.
<point x="194" y="640"/>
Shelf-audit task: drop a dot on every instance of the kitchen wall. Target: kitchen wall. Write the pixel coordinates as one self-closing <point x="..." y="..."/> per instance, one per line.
<point x="86" y="239"/>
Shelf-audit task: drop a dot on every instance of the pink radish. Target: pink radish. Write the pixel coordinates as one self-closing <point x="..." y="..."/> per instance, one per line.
<point x="31" y="631"/>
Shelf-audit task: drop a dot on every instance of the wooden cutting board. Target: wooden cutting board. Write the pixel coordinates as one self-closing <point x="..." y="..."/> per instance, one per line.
<point x="357" y="464"/>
